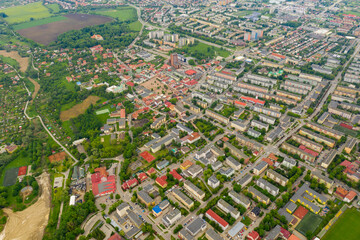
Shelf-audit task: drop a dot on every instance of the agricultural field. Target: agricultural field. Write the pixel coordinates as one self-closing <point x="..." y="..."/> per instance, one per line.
<point x="45" y="34"/>
<point x="54" y="8"/>
<point x="346" y="227"/>
<point x="309" y="223"/>
<point x="78" y="109"/>
<point x="38" y="22"/>
<point x="121" y="13"/>
<point x="26" y="13"/>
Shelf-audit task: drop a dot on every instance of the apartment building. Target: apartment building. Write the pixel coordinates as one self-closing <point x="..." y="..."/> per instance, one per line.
<point x="235" y="151"/>
<point x="172" y="217"/>
<point x="317" y="137"/>
<point x="262" y="183"/>
<point x="307" y="143"/>
<point x="260" y="80"/>
<point x="322" y="178"/>
<point x="329" y="158"/>
<point x="267" y="111"/>
<point x="210" y="214"/>
<point x="227" y="75"/>
<point x="330" y="132"/>
<point x="240" y="198"/>
<point x="267" y="119"/>
<point x="252" y="87"/>
<point x="158" y="122"/>
<point x="258" y="195"/>
<point x="294" y="150"/>
<point x="194" y="190"/>
<point x="260" y="125"/>
<point x="253" y="133"/>
<point x="227" y="208"/>
<point x="234" y="164"/>
<point x="306" y="196"/>
<point x="277" y="177"/>
<point x="288" y="95"/>
<point x="332" y="108"/>
<point x="279" y="98"/>
<point x="239" y="126"/>
<point x="294" y="89"/>
<point x="298" y="85"/>
<point x="145" y="198"/>
<point x="248" y="142"/>
<point x="350" y="144"/>
<point x="181" y="197"/>
<point x="260" y="168"/>
<point x="217" y="116"/>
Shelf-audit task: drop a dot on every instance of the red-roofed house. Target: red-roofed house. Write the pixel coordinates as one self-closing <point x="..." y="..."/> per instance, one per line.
<point x="129" y="184"/>
<point x="341" y="192"/>
<point x="190" y="72"/>
<point x="253" y="236"/>
<point x="175" y="174"/>
<point x="131" y="84"/>
<point x="285" y="233"/>
<point x="147" y="156"/>
<point x="142" y="177"/>
<point x="161" y="181"/>
<point x="350" y="196"/>
<point x="122" y="113"/>
<point x="278" y="56"/>
<point x="268" y="161"/>
<point x="115" y="237"/>
<point x="252" y="100"/>
<point x="241" y="104"/>
<point x="151" y="171"/>
<point x="216" y="218"/>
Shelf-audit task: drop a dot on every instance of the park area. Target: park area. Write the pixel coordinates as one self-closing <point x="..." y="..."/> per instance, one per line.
<point x="46" y="33"/>
<point x="309" y="223"/>
<point x="78" y="108"/>
<point x="346" y="227"/>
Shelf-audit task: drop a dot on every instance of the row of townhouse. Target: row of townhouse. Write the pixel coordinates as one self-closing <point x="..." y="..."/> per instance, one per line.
<point x="294" y="150"/>
<point x="308" y="143"/>
<point x="267" y="111"/>
<point x="217" y="116"/>
<point x="260" y="80"/>
<point x="327" y="131"/>
<point x="317" y="137"/>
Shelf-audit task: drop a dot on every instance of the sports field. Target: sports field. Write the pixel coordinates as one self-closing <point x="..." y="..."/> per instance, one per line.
<point x="121" y="13"/>
<point x="309" y="223"/>
<point x="346" y="227"/>
<point x="10" y="177"/>
<point x="26" y="12"/>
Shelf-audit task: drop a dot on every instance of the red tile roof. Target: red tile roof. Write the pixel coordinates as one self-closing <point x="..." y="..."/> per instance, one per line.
<point x="162" y="181"/>
<point x="190" y="72"/>
<point x="151" y="171"/>
<point x="22" y="171"/>
<point x="115" y="237"/>
<point x="142" y="176"/>
<point x="253" y="235"/>
<point x="253" y="100"/>
<point x="217" y="218"/>
<point x="351" y="195"/>
<point x="176" y="175"/>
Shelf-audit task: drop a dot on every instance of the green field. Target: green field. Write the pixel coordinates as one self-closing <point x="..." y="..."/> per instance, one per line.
<point x="54" y="7"/>
<point x="135" y="26"/>
<point x="203" y="48"/>
<point x="309" y="223"/>
<point x="243" y="13"/>
<point x="353" y="13"/>
<point x="121" y="13"/>
<point x="346" y="227"/>
<point x="25" y="13"/>
<point x="38" y="22"/>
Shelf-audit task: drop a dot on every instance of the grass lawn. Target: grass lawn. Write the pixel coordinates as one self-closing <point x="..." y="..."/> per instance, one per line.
<point x="18" y="162"/>
<point x="243" y="13"/>
<point x="309" y="223"/>
<point x="10" y="61"/>
<point x="346" y="227"/>
<point x="121" y="13"/>
<point x="247" y="221"/>
<point x="353" y="13"/>
<point x="135" y="26"/>
<point x="38" y="22"/>
<point x="26" y="12"/>
<point x="54" y="7"/>
<point x="203" y="48"/>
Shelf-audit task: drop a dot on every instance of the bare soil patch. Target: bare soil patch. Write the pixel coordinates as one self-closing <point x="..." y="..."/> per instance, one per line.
<point x="37" y="88"/>
<point x="78" y="108"/>
<point x="23" y="61"/>
<point x="30" y="223"/>
<point x="156" y="86"/>
<point x="45" y="34"/>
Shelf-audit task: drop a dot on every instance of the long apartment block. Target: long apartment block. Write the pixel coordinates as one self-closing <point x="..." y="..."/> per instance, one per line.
<point x="308" y="143"/>
<point x="294" y="150"/>
<point x="317" y="137"/>
<point x="330" y="132"/>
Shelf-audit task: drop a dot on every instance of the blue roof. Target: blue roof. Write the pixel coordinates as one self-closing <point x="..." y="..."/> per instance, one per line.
<point x="156" y="209"/>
